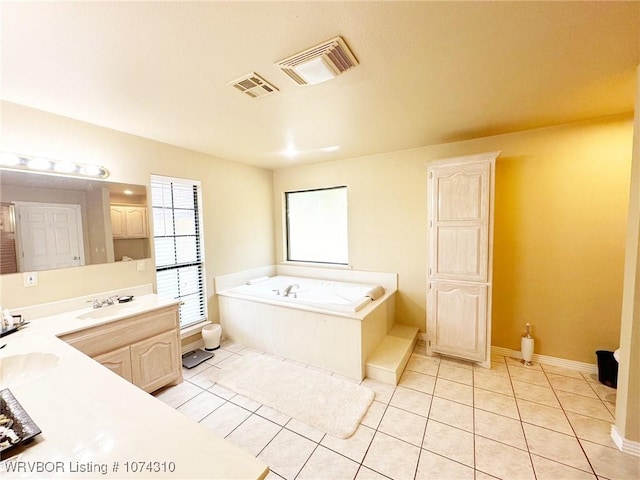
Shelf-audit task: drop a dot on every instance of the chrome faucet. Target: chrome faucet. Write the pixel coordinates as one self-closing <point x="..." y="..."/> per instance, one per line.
<point x="287" y="291"/>
<point x="101" y="303"/>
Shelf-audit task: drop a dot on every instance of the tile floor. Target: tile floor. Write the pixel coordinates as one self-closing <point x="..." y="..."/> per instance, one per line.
<point x="446" y="419"/>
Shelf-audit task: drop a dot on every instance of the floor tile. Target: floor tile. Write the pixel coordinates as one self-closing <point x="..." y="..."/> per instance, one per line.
<point x="187" y="373"/>
<point x="549" y="470"/>
<point x="218" y="356"/>
<point x="383" y="391"/>
<point x="287" y="453"/>
<point x="374" y="414"/>
<point x="495" y="383"/>
<point x="201" y="405"/>
<point x="273" y="415"/>
<point x="221" y="391"/>
<point x="324" y="463"/>
<point x="403" y="425"/>
<point x="495" y="403"/>
<point x="590" y="407"/>
<point x="455" y="362"/>
<point x="177" y="395"/>
<point x="454" y="391"/>
<point x="450" y="442"/>
<point x="528" y="375"/>
<point x="435" y="467"/>
<point x="556" y="446"/>
<point x="499" y="428"/>
<point x="411" y="401"/>
<point x="305" y="430"/>
<point x="611" y="462"/>
<point x="567" y="372"/>
<point x="245" y="402"/>
<point x="452" y="413"/>
<point x="225" y="419"/>
<point x="497" y="368"/>
<point x="502" y="461"/>
<point x="424" y="365"/>
<point x="418" y="381"/>
<point x="273" y="476"/>
<point x="544" y="416"/>
<point x="353" y="447"/>
<point x="535" y="393"/>
<point x="592" y="429"/>
<point x="392" y="457"/>
<point x="455" y="374"/>
<point x="254" y="434"/>
<point x="367" y="474"/>
<point x="573" y="385"/>
<point x="232" y="347"/>
<point x="606" y="394"/>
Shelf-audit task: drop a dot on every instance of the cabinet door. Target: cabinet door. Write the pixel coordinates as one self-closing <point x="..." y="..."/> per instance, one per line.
<point x="459" y="224"/>
<point x="155" y="361"/>
<point x="118" y="218"/>
<point x="136" y="222"/>
<point x="458" y="314"/>
<point x="118" y="361"/>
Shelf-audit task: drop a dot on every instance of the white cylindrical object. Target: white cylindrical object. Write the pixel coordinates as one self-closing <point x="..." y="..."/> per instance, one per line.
<point x="526" y="347"/>
<point x="211" y="335"/>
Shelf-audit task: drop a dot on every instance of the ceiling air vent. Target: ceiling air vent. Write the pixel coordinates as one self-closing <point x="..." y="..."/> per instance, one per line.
<point x="319" y="63"/>
<point x="253" y="85"/>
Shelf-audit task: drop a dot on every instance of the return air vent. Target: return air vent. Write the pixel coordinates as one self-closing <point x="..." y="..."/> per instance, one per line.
<point x="253" y="85"/>
<point x="319" y="63"/>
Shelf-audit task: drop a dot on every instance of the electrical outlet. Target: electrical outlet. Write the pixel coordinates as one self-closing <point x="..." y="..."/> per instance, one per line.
<point x="30" y="279"/>
<point x="140" y="265"/>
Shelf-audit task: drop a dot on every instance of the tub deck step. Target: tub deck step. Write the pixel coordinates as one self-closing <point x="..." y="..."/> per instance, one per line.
<point x="388" y="360"/>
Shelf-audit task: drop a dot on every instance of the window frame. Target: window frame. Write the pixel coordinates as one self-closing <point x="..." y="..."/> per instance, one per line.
<point x="287" y="232"/>
<point x="196" y="186"/>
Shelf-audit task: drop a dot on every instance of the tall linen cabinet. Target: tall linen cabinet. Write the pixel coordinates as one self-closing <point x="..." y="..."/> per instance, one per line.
<point x="460" y="198"/>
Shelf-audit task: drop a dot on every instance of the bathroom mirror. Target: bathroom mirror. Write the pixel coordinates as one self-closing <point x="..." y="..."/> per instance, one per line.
<point x="49" y="222"/>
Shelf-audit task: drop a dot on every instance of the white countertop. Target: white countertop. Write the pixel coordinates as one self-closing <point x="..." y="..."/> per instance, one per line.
<point x="93" y="421"/>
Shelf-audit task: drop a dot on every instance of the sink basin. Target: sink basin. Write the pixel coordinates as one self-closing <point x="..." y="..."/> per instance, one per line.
<point x="16" y="369"/>
<point x="108" y="311"/>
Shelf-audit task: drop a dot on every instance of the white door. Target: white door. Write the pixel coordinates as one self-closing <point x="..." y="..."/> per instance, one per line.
<point x="49" y="236"/>
<point x="460" y="237"/>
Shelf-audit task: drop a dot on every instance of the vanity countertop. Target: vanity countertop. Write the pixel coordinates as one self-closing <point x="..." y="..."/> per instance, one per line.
<point x="95" y="424"/>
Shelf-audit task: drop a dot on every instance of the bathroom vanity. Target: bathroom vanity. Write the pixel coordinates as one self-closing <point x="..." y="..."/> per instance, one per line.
<point x="95" y="423"/>
<point x="143" y="349"/>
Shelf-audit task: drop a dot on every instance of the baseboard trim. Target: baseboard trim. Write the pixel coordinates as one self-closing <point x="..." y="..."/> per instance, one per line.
<point x="626" y="446"/>
<point x="555" y="361"/>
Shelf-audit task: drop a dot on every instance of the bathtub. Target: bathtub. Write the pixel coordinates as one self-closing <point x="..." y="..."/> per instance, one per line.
<point x="331" y="323"/>
<point x="327" y="295"/>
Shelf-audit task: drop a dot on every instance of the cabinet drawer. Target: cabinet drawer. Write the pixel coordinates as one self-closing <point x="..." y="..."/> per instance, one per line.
<point x="106" y="338"/>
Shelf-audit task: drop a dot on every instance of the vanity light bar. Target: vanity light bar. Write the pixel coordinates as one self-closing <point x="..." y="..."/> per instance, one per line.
<point x="14" y="161"/>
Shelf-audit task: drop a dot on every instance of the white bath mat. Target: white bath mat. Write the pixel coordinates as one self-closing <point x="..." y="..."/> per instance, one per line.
<point x="330" y="404"/>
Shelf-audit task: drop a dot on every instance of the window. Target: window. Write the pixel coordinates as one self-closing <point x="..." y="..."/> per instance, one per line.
<point x="317" y="225"/>
<point x="178" y="245"/>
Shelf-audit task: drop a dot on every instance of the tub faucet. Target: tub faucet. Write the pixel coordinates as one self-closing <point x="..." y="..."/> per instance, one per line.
<point x="287" y="291"/>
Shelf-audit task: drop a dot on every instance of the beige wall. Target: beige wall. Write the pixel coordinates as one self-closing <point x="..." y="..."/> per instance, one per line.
<point x="560" y="222"/>
<point x="237" y="202"/>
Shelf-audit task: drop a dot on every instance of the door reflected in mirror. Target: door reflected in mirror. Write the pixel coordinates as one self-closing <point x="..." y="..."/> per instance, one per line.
<point x="50" y="222"/>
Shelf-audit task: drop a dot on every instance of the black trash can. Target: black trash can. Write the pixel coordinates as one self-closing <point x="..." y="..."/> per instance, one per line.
<point x="607" y="368"/>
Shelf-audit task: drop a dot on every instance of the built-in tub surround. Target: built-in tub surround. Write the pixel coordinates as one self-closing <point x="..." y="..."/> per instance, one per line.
<point x="337" y="337"/>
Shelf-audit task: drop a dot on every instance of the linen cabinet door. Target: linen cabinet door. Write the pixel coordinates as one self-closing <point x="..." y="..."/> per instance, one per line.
<point x="154" y="363"/>
<point x="118" y="361"/>
<point x="459" y="318"/>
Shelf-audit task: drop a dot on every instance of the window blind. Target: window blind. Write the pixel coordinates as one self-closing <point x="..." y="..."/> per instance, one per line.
<point x="178" y="245"/>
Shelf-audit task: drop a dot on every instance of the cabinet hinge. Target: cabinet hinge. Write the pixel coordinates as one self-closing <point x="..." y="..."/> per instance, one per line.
<point x="431" y="174"/>
<point x="429" y="342"/>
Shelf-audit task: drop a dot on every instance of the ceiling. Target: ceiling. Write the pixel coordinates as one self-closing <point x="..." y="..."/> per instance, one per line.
<point x="429" y="72"/>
